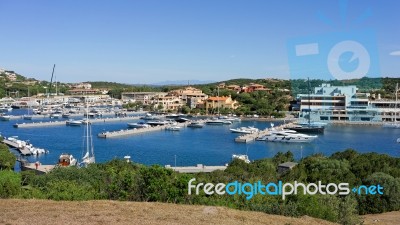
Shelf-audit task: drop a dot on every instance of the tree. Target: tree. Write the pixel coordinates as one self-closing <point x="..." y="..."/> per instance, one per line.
<point x="7" y="159"/>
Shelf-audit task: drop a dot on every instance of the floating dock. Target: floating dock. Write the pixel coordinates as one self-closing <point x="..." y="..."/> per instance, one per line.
<point x="200" y="168"/>
<point x="63" y="122"/>
<point x="109" y="134"/>
<point x="39" y="169"/>
<point x="23" y="151"/>
<point x="251" y="137"/>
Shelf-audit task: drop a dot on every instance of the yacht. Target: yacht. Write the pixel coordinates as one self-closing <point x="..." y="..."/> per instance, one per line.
<point x="244" y="130"/>
<point x="308" y="129"/>
<point x="196" y="124"/>
<point x="245" y="158"/>
<point x="157" y="123"/>
<point x="216" y="121"/>
<point x="173" y="128"/>
<point x="138" y="125"/>
<point x="5" y="117"/>
<point x="74" y="122"/>
<point x="288" y="136"/>
<point x="67" y="160"/>
<point x="55" y="115"/>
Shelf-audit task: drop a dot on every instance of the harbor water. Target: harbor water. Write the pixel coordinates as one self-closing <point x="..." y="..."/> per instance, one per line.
<point x="210" y="145"/>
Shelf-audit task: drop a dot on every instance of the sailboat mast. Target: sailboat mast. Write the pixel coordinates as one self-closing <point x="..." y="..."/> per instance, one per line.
<point x="309" y="103"/>
<point x="87" y="126"/>
<point x="395" y="104"/>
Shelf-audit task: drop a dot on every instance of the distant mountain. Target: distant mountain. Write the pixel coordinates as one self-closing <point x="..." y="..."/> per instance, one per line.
<point x="182" y="82"/>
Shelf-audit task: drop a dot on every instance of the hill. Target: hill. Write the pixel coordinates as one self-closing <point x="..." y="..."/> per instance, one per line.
<point x="113" y="212"/>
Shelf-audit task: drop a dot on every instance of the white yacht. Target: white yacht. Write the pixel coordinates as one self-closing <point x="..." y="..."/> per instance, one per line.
<point x="74" y="122"/>
<point x="5" y="117"/>
<point x="173" y="128"/>
<point x="288" y="136"/>
<point x="196" y="124"/>
<point x="138" y="125"/>
<point x="244" y="130"/>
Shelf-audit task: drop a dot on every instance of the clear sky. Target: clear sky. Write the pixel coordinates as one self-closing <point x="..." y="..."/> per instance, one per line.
<point x="147" y="41"/>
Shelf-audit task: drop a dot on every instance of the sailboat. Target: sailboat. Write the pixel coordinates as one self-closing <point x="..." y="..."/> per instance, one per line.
<point x="308" y="127"/>
<point x="29" y="116"/>
<point x="394" y="124"/>
<point x="88" y="158"/>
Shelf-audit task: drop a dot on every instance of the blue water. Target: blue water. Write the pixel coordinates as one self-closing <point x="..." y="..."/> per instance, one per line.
<point x="211" y="145"/>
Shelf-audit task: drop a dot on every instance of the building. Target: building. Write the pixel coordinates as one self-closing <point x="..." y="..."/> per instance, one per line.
<point x="255" y="87"/>
<point x="144" y="97"/>
<point x="343" y="103"/>
<point x="221" y="102"/>
<point x="82" y="86"/>
<point x="83" y="91"/>
<point x="189" y="93"/>
<point x="284" y="167"/>
<point x="168" y="103"/>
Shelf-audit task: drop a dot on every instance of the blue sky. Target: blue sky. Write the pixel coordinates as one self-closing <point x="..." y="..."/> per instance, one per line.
<point x="151" y="41"/>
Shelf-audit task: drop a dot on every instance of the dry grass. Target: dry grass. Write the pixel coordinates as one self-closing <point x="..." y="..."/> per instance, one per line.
<point x="113" y="212"/>
<point x="382" y="219"/>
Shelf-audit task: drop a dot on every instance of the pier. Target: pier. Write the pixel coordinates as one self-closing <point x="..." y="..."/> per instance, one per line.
<point x="251" y="137"/>
<point x="63" y="122"/>
<point x="109" y="134"/>
<point x="200" y="168"/>
<point x="23" y="151"/>
<point x="37" y="167"/>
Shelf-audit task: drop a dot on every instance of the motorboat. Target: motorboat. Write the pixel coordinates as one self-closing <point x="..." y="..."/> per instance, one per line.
<point x="181" y="120"/>
<point x="308" y="129"/>
<point x="74" y="122"/>
<point x="65" y="115"/>
<point x="216" y="121"/>
<point x="196" y="124"/>
<point x="27" y="117"/>
<point x="244" y="130"/>
<point x="288" y="136"/>
<point x="55" y="115"/>
<point x="149" y="117"/>
<point x="245" y="158"/>
<point x="66" y="160"/>
<point x="173" y="128"/>
<point x="138" y="125"/>
<point x="5" y="117"/>
<point x="158" y="123"/>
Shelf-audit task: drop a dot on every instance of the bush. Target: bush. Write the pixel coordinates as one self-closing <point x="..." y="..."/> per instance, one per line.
<point x="10" y="184"/>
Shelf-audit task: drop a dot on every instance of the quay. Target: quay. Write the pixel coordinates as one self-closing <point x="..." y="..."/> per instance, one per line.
<point x="200" y="168"/>
<point x="37" y="167"/>
<point x="63" y="122"/>
<point x="251" y="137"/>
<point x="109" y="134"/>
<point x="23" y="151"/>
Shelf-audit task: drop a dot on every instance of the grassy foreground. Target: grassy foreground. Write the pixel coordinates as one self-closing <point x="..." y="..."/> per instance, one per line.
<point x="15" y="211"/>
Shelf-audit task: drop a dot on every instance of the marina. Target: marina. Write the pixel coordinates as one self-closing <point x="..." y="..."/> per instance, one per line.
<point x="209" y="145"/>
<point x="63" y="122"/>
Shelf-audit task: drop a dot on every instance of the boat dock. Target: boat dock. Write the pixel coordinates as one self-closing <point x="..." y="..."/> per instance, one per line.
<point x="23" y="151"/>
<point x="63" y="122"/>
<point x="200" y="168"/>
<point x="109" y="134"/>
<point x="37" y="167"/>
<point x="251" y="137"/>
